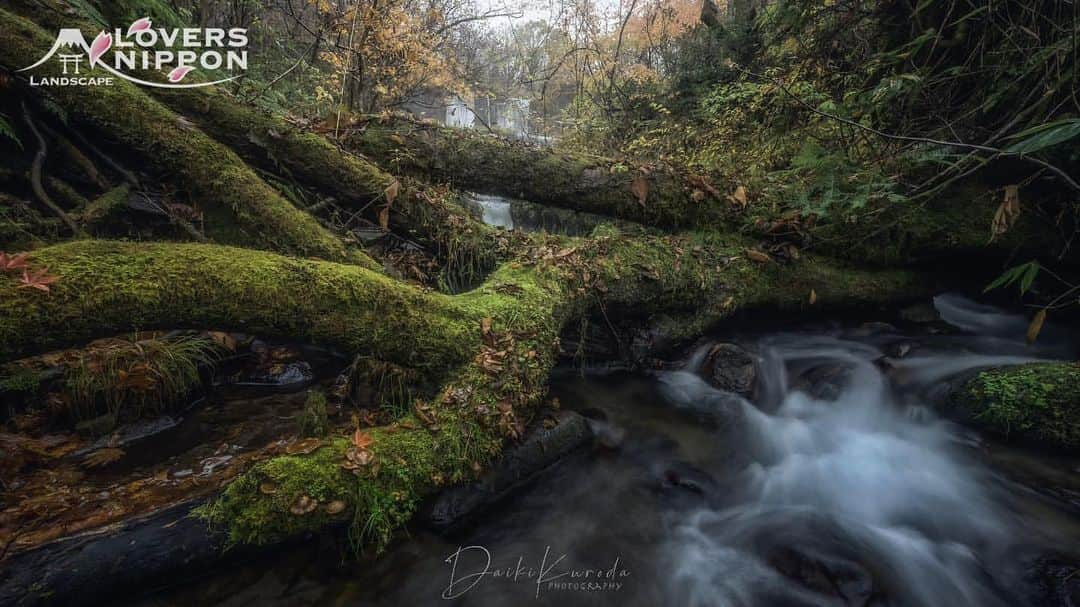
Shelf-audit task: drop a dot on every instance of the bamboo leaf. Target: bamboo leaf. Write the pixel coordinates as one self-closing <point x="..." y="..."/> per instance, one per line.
<point x="1045" y="136"/>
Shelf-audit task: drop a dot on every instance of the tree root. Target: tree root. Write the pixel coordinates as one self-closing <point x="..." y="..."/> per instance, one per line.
<point x="36" y="174"/>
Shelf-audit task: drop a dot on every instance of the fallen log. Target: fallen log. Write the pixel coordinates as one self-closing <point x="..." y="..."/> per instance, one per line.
<point x="657" y="195"/>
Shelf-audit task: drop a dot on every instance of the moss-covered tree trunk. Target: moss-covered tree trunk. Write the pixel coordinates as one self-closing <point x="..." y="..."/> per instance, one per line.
<point x="653" y="195"/>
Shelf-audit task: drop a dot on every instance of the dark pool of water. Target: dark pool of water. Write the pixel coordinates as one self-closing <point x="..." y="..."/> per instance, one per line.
<point x="860" y="495"/>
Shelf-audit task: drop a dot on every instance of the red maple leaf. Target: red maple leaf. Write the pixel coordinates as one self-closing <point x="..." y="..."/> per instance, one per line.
<point x="9" y="263"/>
<point x="39" y="280"/>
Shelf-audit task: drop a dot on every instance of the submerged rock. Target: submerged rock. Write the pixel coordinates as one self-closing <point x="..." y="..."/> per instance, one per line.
<point x="824" y="573"/>
<point x="285" y="377"/>
<point x="825" y="381"/>
<point x="732" y="369"/>
<point x="1055" y="581"/>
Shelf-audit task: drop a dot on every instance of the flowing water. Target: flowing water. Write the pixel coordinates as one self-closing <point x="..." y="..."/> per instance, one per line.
<point x="836" y="484"/>
<point x="512" y="213"/>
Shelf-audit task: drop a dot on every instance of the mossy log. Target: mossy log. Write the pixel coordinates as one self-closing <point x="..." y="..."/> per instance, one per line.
<point x="659" y="196"/>
<point x="434" y="218"/>
<point x="1037" y="403"/>
<point x="241" y="208"/>
<point x="110" y="287"/>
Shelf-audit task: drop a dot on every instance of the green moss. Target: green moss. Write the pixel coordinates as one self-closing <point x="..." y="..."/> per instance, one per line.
<point x="16" y="378"/>
<point x="541" y="175"/>
<point x="116" y="287"/>
<point x="1038" y="402"/>
<point x="313" y="421"/>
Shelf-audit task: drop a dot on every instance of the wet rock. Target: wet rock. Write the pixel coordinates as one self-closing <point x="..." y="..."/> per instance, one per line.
<point x="1034" y="403"/>
<point x="542" y="447"/>
<point x="873" y="328"/>
<point x="920" y="314"/>
<point x="825" y="381"/>
<point x="901" y="349"/>
<point x="1055" y="581"/>
<point x="688" y="478"/>
<point x="594" y="413"/>
<point x="827" y="574"/>
<point x="96" y="426"/>
<point x="128" y="434"/>
<point x="732" y="369"/>
<point x="283" y="377"/>
<point x="608" y="436"/>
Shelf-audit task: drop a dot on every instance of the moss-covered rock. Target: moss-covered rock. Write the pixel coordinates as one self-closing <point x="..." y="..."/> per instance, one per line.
<point x="1037" y="403"/>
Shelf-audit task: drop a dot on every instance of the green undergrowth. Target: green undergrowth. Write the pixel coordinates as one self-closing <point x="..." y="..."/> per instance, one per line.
<point x="1037" y="402"/>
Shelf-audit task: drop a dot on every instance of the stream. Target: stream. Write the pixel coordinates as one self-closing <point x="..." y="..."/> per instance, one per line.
<point x="835" y="484"/>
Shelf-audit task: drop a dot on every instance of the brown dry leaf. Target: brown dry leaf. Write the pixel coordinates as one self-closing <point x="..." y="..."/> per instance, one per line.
<point x="303" y="505"/>
<point x="398" y="139"/>
<point x="697" y="195"/>
<point x="758" y="256"/>
<point x="728" y="303"/>
<point x="335" y="507"/>
<point x="739" y="197"/>
<point x="384" y="217"/>
<point x="391" y="191"/>
<point x="224" y="340"/>
<point x="813" y="297"/>
<point x="103" y="457"/>
<point x="1007" y="212"/>
<point x="1036" y="326"/>
<point x="303" y="447"/>
<point x="267" y="488"/>
<point x="485" y="325"/>
<point x="362" y="439"/>
<point x="640" y="188"/>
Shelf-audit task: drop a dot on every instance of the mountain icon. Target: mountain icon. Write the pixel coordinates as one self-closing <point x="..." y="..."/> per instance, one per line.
<point x="68" y="38"/>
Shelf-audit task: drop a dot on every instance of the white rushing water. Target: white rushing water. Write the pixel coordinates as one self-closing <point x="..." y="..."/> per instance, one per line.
<point x="496" y="210"/>
<point x="835" y="485"/>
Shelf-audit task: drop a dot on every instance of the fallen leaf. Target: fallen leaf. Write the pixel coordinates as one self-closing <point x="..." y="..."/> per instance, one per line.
<point x="739" y="198"/>
<point x="39" y="280"/>
<point x="697" y="195"/>
<point x="813" y="297"/>
<point x="1036" y="326"/>
<point x="362" y="439"/>
<point x="224" y="340"/>
<point x="640" y="188"/>
<point x="391" y="191"/>
<point x="267" y="488"/>
<point x="758" y="256"/>
<point x="9" y="263"/>
<point x="384" y="218"/>
<point x="303" y="447"/>
<point x="103" y="457"/>
<point x="1007" y="212"/>
<point x="335" y="507"/>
